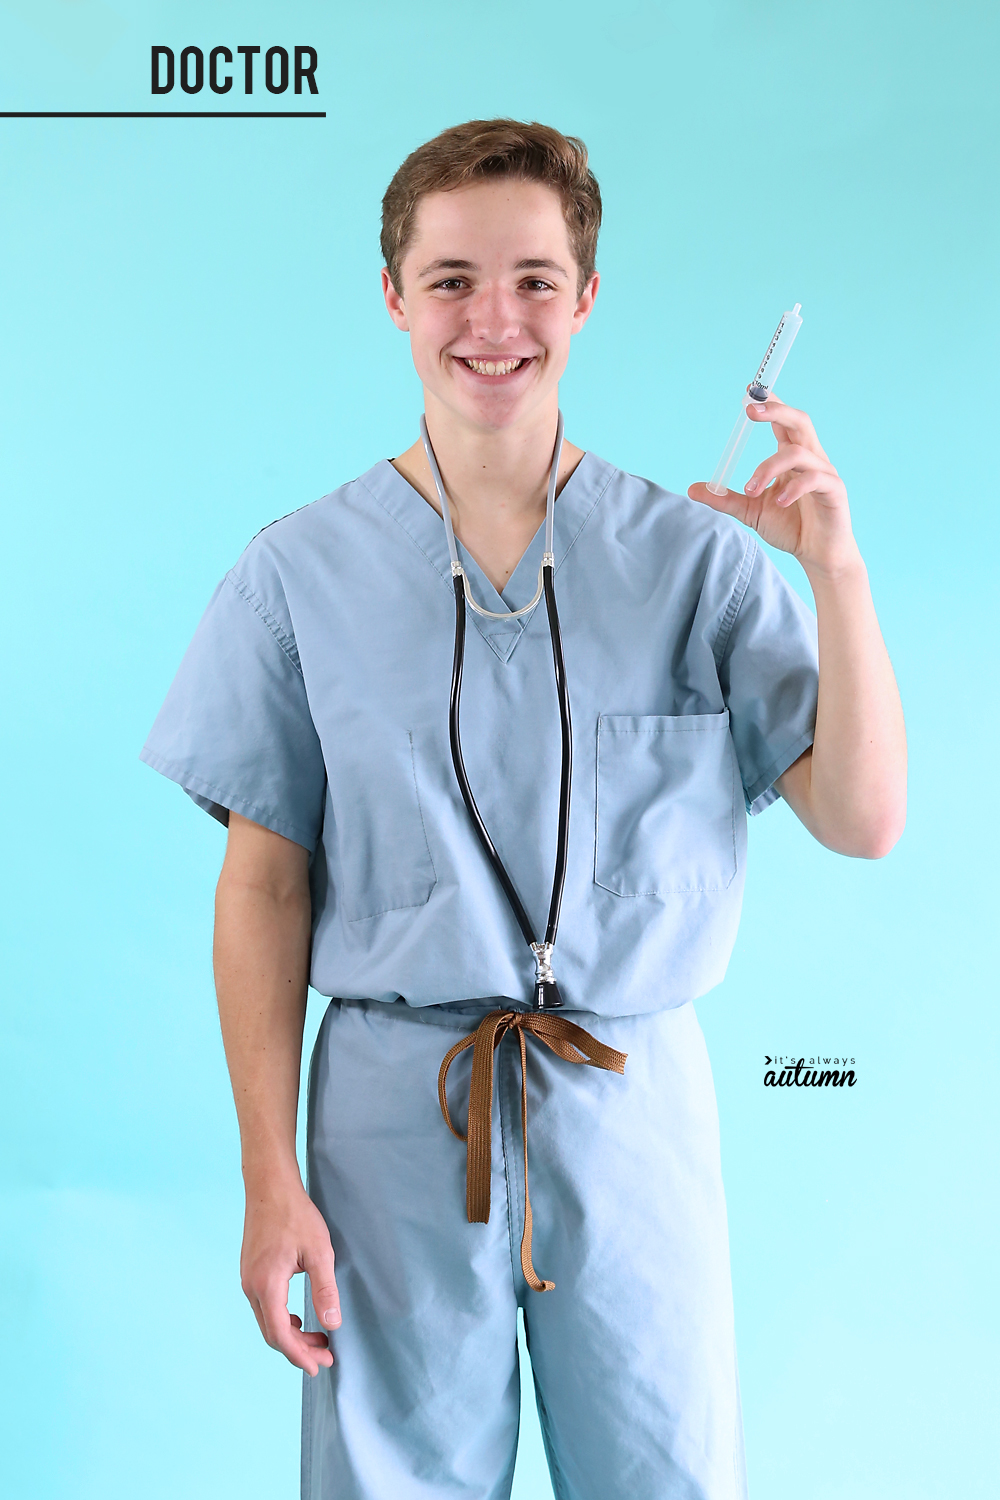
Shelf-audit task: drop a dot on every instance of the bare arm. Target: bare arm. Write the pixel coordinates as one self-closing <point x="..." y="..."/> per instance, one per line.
<point x="849" y="789"/>
<point x="262" y="932"/>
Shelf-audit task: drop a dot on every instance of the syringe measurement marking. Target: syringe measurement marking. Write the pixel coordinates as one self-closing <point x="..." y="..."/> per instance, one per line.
<point x="770" y="350"/>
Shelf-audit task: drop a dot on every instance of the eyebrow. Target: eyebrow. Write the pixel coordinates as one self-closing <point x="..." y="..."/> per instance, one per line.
<point x="446" y="264"/>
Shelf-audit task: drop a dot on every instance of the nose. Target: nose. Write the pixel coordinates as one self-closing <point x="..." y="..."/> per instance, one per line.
<point x="494" y="315"/>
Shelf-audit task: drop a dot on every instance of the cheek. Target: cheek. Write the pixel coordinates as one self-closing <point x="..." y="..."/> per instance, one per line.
<point x="556" y="338"/>
<point x="554" y="328"/>
<point x="435" y="328"/>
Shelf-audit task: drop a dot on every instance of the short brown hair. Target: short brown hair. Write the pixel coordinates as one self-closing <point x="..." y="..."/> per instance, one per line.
<point x="495" y="148"/>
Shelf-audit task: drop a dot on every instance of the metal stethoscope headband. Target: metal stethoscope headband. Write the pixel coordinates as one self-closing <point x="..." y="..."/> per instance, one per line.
<point x="547" y="995"/>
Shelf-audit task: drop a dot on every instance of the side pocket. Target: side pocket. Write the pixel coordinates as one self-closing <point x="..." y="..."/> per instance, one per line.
<point x="666" y="804"/>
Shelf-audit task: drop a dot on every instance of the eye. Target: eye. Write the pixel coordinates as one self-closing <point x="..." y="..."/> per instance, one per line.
<point x="536" y="284"/>
<point x="448" y="283"/>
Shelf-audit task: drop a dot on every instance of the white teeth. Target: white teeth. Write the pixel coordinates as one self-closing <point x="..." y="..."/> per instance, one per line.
<point x="493" y="367"/>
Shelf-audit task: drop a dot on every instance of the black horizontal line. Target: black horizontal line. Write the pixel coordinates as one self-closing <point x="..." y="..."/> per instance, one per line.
<point x="162" y="114"/>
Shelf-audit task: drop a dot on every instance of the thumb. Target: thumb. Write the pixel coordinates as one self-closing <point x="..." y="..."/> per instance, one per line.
<point x="730" y="502"/>
<point x="319" y="1263"/>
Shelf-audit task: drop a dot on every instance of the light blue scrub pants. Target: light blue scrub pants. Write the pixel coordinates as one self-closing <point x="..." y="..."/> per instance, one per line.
<point x="633" y="1353"/>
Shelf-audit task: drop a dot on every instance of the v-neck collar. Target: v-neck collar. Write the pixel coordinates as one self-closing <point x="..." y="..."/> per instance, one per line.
<point x="421" y="522"/>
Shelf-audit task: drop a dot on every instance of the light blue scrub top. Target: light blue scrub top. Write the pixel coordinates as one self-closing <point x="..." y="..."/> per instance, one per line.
<point x="313" y="699"/>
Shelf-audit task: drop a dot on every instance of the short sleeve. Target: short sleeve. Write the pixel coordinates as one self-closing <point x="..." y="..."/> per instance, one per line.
<point x="769" y="671"/>
<point x="235" y="730"/>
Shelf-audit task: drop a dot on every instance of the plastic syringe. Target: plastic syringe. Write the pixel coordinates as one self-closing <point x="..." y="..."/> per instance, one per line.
<point x="761" y="387"/>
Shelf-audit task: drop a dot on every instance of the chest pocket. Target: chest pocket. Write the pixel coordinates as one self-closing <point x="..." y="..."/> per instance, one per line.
<point x="384" y="855"/>
<point x="666" y="803"/>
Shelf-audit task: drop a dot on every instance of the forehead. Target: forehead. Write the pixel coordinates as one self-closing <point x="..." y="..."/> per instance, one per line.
<point x="503" y="220"/>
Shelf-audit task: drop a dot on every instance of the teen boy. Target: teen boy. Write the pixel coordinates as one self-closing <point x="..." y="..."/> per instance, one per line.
<point x="311" y="715"/>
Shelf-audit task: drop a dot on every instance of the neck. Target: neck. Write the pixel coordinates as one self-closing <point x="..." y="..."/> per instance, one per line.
<point x="496" y="481"/>
<point x="497" y="472"/>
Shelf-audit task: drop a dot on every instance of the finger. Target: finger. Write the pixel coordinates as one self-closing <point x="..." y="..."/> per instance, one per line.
<point x="251" y="1291"/>
<point x="306" y="1355"/>
<point x="256" y="1312"/>
<point x="318" y="1263"/>
<point x="789" y="457"/>
<point x="773" y="409"/>
<point x="296" y="1322"/>
<point x="306" y="1351"/>
<point x="282" y="1330"/>
<point x="797" y="424"/>
<point x="313" y="1339"/>
<point x="274" y="1319"/>
<point x="279" y="1328"/>
<point x="816" y="483"/>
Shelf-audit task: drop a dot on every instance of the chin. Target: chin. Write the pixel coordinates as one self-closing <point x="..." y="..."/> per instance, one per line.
<point x="493" y="412"/>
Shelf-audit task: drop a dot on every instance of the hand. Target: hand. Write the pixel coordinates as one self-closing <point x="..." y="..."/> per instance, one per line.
<point x="285" y="1233"/>
<point x="795" y="499"/>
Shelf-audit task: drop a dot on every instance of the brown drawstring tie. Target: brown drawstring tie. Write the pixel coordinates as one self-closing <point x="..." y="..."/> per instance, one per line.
<point x="567" y="1041"/>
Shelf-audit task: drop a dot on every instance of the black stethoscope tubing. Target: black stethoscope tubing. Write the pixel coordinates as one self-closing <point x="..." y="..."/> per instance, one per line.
<point x="547" y="996"/>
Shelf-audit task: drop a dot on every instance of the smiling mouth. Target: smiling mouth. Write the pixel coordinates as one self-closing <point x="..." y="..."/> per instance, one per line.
<point x="494" y="367"/>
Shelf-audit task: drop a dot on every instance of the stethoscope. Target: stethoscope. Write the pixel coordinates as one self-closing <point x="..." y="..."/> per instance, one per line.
<point x="547" y="995"/>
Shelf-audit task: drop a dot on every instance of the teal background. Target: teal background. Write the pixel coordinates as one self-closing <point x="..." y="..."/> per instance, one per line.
<point x="193" y="343"/>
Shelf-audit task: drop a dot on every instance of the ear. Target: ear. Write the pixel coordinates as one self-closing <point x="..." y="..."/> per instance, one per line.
<point x="394" y="302"/>
<point x="585" y="305"/>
